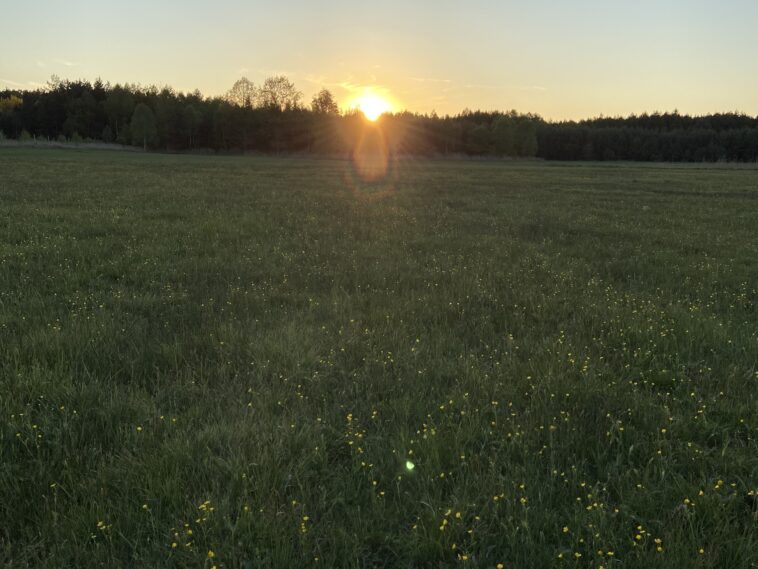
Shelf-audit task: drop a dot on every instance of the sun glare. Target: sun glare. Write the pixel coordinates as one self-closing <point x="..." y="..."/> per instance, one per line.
<point x="372" y="106"/>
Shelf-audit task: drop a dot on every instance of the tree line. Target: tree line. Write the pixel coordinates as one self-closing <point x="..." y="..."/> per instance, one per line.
<point x="274" y="118"/>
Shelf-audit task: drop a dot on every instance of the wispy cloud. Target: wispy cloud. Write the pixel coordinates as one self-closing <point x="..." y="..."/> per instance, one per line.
<point x="349" y="85"/>
<point x="41" y="64"/>
<point x="430" y="80"/>
<point x="12" y="83"/>
<point x="481" y="86"/>
<point x="316" y="79"/>
<point x="321" y="81"/>
<point x="67" y="63"/>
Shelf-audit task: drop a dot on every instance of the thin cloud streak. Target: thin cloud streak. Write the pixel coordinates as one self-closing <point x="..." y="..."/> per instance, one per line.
<point x="19" y="85"/>
<point x="67" y="63"/>
<point x="12" y="83"/>
<point x="430" y="80"/>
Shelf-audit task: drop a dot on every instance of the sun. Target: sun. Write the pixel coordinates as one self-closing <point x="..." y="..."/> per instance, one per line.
<point x="372" y="106"/>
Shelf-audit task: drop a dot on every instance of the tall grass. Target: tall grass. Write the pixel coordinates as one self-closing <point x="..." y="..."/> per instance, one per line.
<point x="266" y="363"/>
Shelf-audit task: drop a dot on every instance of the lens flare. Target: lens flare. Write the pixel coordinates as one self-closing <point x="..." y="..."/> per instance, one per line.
<point x="371" y="154"/>
<point x="371" y="171"/>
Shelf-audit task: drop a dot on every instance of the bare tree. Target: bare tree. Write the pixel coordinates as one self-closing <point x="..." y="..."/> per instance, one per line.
<point x="279" y="93"/>
<point x="243" y="93"/>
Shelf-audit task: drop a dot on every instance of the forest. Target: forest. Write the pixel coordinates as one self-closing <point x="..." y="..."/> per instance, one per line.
<point x="274" y="118"/>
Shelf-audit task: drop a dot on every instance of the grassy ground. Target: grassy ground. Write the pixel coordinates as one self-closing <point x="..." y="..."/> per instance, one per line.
<point x="267" y="363"/>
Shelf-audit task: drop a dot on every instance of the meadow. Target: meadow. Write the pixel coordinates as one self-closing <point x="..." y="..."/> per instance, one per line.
<point x="241" y="362"/>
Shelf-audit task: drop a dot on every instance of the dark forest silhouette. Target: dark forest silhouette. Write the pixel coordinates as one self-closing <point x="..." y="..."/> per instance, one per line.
<point x="272" y="118"/>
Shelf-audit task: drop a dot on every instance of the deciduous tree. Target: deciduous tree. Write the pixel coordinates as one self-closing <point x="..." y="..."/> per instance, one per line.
<point x="243" y="93"/>
<point x="324" y="103"/>
<point x="279" y="93"/>
<point x="143" y="125"/>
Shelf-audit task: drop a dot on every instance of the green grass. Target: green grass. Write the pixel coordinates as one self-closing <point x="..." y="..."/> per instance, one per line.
<point x="244" y="356"/>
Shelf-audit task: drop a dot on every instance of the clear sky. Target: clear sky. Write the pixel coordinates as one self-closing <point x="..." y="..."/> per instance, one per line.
<point x="561" y="58"/>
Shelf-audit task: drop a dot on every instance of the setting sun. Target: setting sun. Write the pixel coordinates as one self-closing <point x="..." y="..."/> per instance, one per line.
<point x="372" y="106"/>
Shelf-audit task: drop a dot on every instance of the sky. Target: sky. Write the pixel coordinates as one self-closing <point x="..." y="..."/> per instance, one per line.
<point x="560" y="59"/>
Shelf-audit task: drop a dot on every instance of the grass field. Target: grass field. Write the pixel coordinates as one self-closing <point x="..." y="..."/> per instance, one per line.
<point x="249" y="362"/>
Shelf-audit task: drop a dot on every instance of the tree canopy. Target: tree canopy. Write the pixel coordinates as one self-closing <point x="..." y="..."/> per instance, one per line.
<point x="272" y="118"/>
<point x="324" y="103"/>
<point x="143" y="125"/>
<point x="243" y="93"/>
